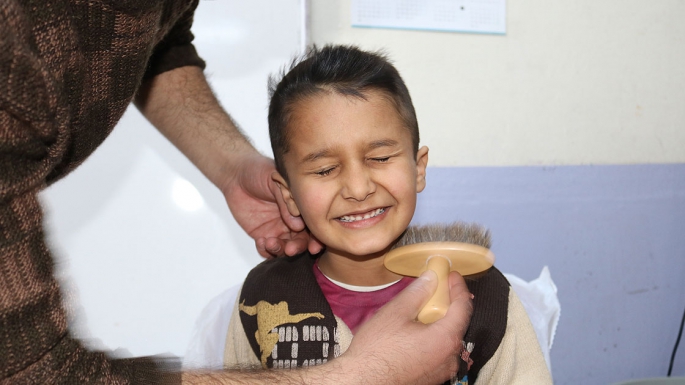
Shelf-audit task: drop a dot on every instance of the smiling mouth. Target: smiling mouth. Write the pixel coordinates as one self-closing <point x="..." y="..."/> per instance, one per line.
<point x="355" y="218"/>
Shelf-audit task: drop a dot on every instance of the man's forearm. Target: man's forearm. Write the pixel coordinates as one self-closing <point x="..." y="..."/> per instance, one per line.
<point x="391" y="348"/>
<point x="181" y="105"/>
<point x="333" y="372"/>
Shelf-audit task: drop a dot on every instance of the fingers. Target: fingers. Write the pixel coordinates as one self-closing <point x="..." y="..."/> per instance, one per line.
<point x="394" y="328"/>
<point x="300" y="242"/>
<point x="263" y="250"/>
<point x="314" y="245"/>
<point x="277" y="247"/>
<point x="459" y="313"/>
<point x="409" y="301"/>
<point x="457" y="285"/>
<point x="294" y="223"/>
<point x="297" y="244"/>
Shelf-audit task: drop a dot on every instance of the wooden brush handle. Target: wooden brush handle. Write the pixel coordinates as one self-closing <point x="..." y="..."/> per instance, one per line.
<point x="437" y="305"/>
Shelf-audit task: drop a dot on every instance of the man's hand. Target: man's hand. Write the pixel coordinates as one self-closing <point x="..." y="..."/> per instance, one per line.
<point x="392" y="348"/>
<point x="257" y="205"/>
<point x="183" y="108"/>
<point x="389" y="349"/>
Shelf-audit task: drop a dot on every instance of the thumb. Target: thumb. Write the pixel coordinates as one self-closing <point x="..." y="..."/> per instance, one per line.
<point x="409" y="301"/>
<point x="459" y="313"/>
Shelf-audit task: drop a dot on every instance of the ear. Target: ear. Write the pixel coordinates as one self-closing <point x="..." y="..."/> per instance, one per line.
<point x="287" y="195"/>
<point x="421" y="163"/>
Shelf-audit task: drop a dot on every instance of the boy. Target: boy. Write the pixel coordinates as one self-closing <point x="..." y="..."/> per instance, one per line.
<point x="346" y="144"/>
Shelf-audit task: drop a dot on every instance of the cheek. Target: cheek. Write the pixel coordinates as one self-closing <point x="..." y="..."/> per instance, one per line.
<point x="314" y="202"/>
<point x="401" y="182"/>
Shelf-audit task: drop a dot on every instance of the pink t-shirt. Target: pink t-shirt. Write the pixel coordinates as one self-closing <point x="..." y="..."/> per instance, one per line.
<point x="355" y="307"/>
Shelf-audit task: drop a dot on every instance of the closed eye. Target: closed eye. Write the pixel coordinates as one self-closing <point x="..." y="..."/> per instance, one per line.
<point x="381" y="160"/>
<point x="324" y="172"/>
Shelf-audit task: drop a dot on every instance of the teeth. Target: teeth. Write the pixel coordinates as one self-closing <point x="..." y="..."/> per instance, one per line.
<point x="354" y="218"/>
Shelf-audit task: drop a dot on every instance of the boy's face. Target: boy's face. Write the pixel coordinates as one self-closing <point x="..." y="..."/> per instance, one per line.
<point x="353" y="174"/>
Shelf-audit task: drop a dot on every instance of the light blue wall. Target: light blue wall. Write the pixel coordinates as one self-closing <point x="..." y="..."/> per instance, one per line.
<point x="614" y="240"/>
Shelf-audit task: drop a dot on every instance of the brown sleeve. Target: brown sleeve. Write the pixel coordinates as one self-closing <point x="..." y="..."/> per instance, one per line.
<point x="35" y="344"/>
<point x="176" y="48"/>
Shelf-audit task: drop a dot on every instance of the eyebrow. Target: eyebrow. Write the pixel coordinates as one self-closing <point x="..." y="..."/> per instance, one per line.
<point x="311" y="157"/>
<point x="383" y="143"/>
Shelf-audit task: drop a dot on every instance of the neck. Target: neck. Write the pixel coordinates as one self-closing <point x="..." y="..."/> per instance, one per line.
<point x="357" y="270"/>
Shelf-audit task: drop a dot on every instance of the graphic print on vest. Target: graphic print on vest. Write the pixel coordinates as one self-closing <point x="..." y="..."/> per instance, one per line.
<point x="462" y="377"/>
<point x="276" y="325"/>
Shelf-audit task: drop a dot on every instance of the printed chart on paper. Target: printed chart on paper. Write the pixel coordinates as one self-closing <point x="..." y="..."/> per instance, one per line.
<point x="477" y="16"/>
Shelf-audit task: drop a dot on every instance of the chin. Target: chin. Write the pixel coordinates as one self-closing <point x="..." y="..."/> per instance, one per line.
<point x="369" y="250"/>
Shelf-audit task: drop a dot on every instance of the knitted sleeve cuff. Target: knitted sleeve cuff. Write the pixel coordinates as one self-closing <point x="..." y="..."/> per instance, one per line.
<point x="176" y="48"/>
<point x="163" y="370"/>
<point x="172" y="57"/>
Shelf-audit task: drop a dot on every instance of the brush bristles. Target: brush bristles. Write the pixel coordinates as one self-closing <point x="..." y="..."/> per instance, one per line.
<point x="472" y="233"/>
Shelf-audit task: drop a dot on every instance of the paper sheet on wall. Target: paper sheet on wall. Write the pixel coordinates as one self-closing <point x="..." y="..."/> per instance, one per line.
<point x="479" y="16"/>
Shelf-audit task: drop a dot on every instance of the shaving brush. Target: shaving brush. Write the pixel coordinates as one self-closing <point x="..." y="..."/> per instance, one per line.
<point x="461" y="247"/>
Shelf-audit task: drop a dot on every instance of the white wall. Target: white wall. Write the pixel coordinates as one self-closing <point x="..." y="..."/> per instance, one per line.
<point x="143" y="240"/>
<point x="572" y="82"/>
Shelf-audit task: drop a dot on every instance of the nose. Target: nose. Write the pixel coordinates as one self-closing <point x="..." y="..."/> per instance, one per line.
<point x="358" y="184"/>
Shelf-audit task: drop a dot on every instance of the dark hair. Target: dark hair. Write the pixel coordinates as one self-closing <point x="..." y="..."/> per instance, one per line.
<point x="346" y="70"/>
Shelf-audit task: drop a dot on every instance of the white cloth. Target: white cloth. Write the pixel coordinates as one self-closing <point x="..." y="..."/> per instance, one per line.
<point x="539" y="298"/>
<point x="206" y="347"/>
